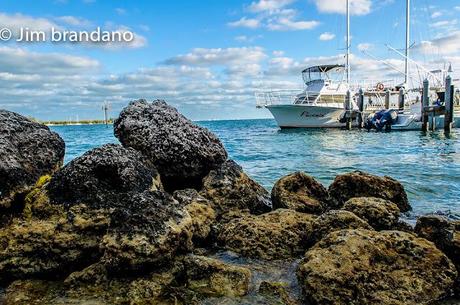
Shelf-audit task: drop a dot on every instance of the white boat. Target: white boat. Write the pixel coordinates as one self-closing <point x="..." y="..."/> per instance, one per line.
<point x="321" y="104"/>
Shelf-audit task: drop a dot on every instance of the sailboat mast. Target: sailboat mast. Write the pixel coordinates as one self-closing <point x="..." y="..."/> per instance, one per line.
<point x="348" y="42"/>
<point x="406" y="70"/>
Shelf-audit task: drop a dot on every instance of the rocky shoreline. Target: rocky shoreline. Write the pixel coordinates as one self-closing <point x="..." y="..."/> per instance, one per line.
<point x="167" y="218"/>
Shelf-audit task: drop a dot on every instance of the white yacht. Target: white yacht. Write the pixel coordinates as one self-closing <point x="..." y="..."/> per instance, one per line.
<point x="321" y="104"/>
<point x="323" y="101"/>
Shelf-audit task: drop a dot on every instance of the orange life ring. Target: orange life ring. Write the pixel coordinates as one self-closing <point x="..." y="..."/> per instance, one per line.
<point x="380" y="86"/>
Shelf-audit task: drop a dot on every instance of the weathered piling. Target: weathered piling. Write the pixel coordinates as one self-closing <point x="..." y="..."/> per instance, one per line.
<point x="349" y="110"/>
<point x="361" y="108"/>
<point x="425" y="103"/>
<point x="387" y="99"/>
<point x="401" y="99"/>
<point x="449" y="104"/>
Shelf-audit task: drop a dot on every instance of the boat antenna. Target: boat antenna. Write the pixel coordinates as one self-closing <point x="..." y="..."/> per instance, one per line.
<point x="406" y="70"/>
<point x="348" y="42"/>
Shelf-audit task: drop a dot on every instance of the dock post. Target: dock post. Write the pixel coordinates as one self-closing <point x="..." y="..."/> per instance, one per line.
<point x="449" y="104"/>
<point x="401" y="99"/>
<point x="361" y="109"/>
<point x="387" y="99"/>
<point x="349" y="110"/>
<point x="425" y="103"/>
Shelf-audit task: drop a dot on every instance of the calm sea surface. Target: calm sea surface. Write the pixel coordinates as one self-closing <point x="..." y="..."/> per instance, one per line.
<point x="427" y="164"/>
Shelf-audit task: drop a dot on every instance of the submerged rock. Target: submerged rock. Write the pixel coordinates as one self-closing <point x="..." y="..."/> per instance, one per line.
<point x="381" y="214"/>
<point x="211" y="277"/>
<point x="300" y="192"/>
<point x="182" y="152"/>
<point x="369" y="267"/>
<point x="229" y="188"/>
<point x="276" y="292"/>
<point x="359" y="184"/>
<point x="28" y="150"/>
<point x="335" y="220"/>
<point x="275" y="235"/>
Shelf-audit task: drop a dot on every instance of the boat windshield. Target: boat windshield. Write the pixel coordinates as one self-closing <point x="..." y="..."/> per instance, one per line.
<point x="330" y="72"/>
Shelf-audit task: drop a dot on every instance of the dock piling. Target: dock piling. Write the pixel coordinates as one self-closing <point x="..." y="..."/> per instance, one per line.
<point x="449" y="104"/>
<point x="349" y="110"/>
<point x="425" y="103"/>
<point x="401" y="101"/>
<point x="387" y="99"/>
<point x="361" y="109"/>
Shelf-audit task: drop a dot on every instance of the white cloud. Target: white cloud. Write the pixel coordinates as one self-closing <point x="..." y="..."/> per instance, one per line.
<point x="287" y="24"/>
<point x="326" y="36"/>
<point x="357" y="7"/>
<point x="445" y="45"/>
<point x="268" y="5"/>
<point x="444" y="24"/>
<point x="365" y="46"/>
<point x="74" y="21"/>
<point x="229" y="56"/>
<point x="245" y="23"/>
<point x="436" y="14"/>
<point x="120" y="11"/>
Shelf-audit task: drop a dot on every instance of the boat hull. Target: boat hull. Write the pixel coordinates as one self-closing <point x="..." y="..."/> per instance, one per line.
<point x="306" y="116"/>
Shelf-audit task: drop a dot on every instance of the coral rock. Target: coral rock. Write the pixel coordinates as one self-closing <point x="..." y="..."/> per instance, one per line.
<point x="370" y="267"/>
<point x="28" y="150"/>
<point x="229" y="188"/>
<point x="381" y="214"/>
<point x="300" y="192"/>
<point x="359" y="184"/>
<point x="182" y="152"/>
<point x="275" y="235"/>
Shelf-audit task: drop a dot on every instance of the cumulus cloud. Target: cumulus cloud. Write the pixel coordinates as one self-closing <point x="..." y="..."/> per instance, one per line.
<point x="357" y="7"/>
<point x="365" y="46"/>
<point x="219" y="56"/>
<point x="326" y="36"/>
<point x="449" y="44"/>
<point x="245" y="22"/>
<point x="274" y="16"/>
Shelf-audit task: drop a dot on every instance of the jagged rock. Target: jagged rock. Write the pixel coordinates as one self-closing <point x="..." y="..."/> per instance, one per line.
<point x="276" y="293"/>
<point x="370" y="267"/>
<point x="127" y="227"/>
<point x="103" y="177"/>
<point x="443" y="233"/>
<point x="182" y="152"/>
<point x="300" y="192"/>
<point x="28" y="150"/>
<point x="228" y="188"/>
<point x="381" y="214"/>
<point x="359" y="184"/>
<point x="335" y="220"/>
<point x="275" y="235"/>
<point x="211" y="277"/>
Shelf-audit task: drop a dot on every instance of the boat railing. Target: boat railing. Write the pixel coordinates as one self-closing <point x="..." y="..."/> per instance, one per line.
<point x="297" y="97"/>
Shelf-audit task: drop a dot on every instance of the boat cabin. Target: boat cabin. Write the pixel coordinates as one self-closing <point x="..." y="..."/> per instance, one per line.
<point x="323" y="73"/>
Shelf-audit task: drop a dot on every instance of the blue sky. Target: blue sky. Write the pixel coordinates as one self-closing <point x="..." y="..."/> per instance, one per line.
<point x="205" y="57"/>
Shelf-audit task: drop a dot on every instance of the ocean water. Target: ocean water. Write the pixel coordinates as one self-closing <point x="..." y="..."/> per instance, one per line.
<point x="428" y="165"/>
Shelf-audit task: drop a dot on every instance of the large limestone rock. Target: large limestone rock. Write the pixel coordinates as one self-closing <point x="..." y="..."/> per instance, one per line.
<point x="229" y="188"/>
<point x="103" y="176"/>
<point x="300" y="192"/>
<point x="335" y="220"/>
<point x="381" y="214"/>
<point x="127" y="227"/>
<point x="370" y="267"/>
<point x="182" y="152"/>
<point x="275" y="235"/>
<point x="28" y="150"/>
<point x="211" y="277"/>
<point x="443" y="233"/>
<point x="359" y="184"/>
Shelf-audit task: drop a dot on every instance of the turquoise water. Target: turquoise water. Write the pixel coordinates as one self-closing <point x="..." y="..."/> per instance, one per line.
<point x="427" y="164"/>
